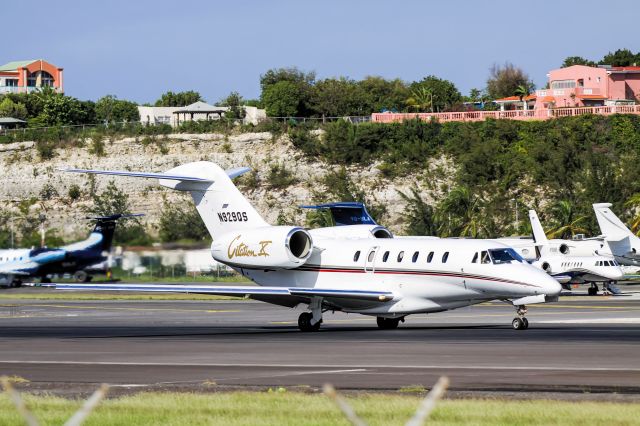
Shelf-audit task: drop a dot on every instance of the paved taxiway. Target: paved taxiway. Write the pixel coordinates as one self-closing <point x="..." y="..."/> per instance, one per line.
<point x="581" y="344"/>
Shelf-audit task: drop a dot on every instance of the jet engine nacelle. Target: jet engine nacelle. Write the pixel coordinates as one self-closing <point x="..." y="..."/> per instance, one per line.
<point x="564" y="249"/>
<point x="279" y="247"/>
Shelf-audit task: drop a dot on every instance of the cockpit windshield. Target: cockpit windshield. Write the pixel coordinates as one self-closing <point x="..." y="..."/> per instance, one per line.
<point x="505" y="255"/>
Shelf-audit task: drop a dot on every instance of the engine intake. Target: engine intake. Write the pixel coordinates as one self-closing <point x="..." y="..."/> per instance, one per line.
<point x="277" y="247"/>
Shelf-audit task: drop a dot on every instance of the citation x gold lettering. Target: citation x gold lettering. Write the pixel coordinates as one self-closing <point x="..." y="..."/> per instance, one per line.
<point x="243" y="250"/>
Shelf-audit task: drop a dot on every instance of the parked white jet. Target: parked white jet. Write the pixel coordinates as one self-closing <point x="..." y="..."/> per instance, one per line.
<point x="623" y="244"/>
<point x="357" y="268"/>
<point x="579" y="269"/>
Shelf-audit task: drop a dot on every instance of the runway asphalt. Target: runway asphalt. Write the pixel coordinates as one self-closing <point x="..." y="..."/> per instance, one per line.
<point x="578" y="345"/>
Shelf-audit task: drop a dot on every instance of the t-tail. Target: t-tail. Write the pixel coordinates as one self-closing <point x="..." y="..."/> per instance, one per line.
<point x="106" y="228"/>
<point x="220" y="204"/>
<point x="539" y="237"/>
<point x="610" y="225"/>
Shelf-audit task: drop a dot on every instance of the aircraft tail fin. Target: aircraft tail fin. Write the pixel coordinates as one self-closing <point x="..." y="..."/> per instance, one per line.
<point x="539" y="237"/>
<point x="220" y="204"/>
<point x="106" y="226"/>
<point x="610" y="225"/>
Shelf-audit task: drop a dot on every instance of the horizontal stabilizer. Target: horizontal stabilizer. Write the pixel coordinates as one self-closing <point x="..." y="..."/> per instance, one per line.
<point x="114" y="217"/>
<point x="162" y="176"/>
<point x="237" y="291"/>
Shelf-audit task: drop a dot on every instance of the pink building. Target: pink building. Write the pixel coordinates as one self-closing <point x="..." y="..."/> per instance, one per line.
<point x="579" y="86"/>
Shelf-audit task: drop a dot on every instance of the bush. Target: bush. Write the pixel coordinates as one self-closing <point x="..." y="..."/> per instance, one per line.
<point x="280" y="177"/>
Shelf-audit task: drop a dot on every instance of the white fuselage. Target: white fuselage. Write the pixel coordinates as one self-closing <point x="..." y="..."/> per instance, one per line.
<point x="431" y="275"/>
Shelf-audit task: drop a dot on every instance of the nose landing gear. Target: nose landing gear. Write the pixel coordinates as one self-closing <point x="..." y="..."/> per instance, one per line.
<point x="520" y="323"/>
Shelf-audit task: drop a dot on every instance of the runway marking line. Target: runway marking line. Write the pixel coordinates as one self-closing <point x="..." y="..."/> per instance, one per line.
<point x="115" y="308"/>
<point x="338" y="366"/>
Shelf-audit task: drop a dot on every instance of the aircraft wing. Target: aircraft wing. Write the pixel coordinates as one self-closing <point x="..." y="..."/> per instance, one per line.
<point x="238" y="291"/>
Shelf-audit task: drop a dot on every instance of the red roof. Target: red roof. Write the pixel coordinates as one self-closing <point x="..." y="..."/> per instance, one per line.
<point x="627" y="69"/>
<point x="516" y="98"/>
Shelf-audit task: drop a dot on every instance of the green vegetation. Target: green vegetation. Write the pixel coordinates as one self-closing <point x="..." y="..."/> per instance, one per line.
<point x="290" y="408"/>
<point x="113" y="201"/>
<point x="619" y="58"/>
<point x="180" y="99"/>
<point x="181" y="222"/>
<point x="577" y="161"/>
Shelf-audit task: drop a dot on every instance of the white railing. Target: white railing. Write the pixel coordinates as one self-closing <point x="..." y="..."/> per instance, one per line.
<point x="532" y="114"/>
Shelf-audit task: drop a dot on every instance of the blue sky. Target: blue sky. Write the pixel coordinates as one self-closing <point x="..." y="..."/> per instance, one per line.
<point x="139" y="49"/>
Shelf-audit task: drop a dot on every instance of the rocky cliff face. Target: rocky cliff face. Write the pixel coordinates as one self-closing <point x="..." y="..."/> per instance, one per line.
<point x="25" y="176"/>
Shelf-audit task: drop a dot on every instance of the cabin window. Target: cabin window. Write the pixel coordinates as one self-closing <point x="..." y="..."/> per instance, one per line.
<point x="484" y="257"/>
<point x="475" y="258"/>
<point x="414" y="259"/>
<point x="385" y="256"/>
<point x="430" y="257"/>
<point x="372" y="254"/>
<point x="400" y="256"/>
<point x="445" y="256"/>
<point x="356" y="256"/>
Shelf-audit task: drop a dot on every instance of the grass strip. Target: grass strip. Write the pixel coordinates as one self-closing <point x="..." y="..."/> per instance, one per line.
<point x="290" y="408"/>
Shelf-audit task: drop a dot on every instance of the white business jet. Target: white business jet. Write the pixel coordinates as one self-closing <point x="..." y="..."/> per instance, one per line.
<point x="623" y="244"/>
<point x="578" y="269"/>
<point x="358" y="269"/>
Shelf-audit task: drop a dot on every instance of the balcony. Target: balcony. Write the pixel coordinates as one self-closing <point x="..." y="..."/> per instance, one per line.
<point x="24" y="89"/>
<point x="588" y="91"/>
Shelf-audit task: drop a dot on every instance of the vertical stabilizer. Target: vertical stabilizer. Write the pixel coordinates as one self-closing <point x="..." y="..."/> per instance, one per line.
<point x="539" y="237"/>
<point x="610" y="225"/>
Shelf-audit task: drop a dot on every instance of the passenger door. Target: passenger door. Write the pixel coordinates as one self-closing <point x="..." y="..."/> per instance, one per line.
<point x="369" y="262"/>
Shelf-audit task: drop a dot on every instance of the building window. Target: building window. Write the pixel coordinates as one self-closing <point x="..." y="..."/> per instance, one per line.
<point x="563" y="84"/>
<point x="11" y="82"/>
<point x="40" y="79"/>
<point x="356" y="256"/>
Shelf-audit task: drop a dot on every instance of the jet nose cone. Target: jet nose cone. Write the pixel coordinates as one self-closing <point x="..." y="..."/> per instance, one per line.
<point x="551" y="286"/>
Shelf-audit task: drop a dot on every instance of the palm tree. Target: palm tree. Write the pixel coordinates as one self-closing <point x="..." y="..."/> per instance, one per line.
<point x="566" y="222"/>
<point x="634" y="202"/>
<point x="522" y="91"/>
<point x="460" y="214"/>
<point x="421" y="99"/>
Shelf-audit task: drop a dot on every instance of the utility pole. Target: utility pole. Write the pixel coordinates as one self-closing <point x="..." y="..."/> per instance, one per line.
<point x="42" y="218"/>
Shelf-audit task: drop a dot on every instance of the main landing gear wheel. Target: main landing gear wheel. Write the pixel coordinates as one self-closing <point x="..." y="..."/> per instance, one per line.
<point x="304" y="322"/>
<point x="387" y="323"/>
<point x="520" y="323"/>
<point x="593" y="290"/>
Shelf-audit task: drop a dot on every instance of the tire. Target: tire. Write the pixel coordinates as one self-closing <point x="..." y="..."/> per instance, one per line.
<point x="387" y="323"/>
<point x="80" y="276"/>
<point x="592" y="291"/>
<point x="517" y="324"/>
<point x="304" y="322"/>
<point x="526" y="323"/>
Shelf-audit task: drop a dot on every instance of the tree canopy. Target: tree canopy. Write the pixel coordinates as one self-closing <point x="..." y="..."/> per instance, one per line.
<point x="179" y="99"/>
<point x="504" y="80"/>
<point x="111" y="109"/>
